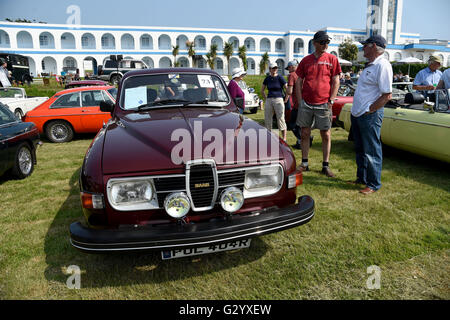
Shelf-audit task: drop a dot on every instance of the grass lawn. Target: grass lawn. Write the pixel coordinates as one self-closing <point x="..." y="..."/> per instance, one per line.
<point x="403" y="229"/>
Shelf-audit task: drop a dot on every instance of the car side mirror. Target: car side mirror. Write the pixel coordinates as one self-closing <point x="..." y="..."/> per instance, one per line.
<point x="239" y="102"/>
<point x="106" y="106"/>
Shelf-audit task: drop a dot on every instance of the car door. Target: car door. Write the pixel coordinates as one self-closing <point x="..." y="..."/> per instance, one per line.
<point x="67" y="107"/>
<point x="93" y="119"/>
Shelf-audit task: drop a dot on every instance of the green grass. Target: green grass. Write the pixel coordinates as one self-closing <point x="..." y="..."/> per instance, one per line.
<point x="404" y="229"/>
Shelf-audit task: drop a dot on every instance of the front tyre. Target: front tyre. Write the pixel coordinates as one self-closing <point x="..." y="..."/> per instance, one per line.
<point x="59" y="131"/>
<point x="18" y="113"/>
<point x="115" y="79"/>
<point x="23" y="162"/>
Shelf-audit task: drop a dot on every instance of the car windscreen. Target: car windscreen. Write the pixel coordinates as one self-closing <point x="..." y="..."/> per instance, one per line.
<point x="6" y="116"/>
<point x="10" y="93"/>
<point x="173" y="89"/>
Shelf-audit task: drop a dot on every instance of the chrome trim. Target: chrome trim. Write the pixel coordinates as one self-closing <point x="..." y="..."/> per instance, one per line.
<point x="250" y="234"/>
<point x="192" y="163"/>
<point x="416" y="121"/>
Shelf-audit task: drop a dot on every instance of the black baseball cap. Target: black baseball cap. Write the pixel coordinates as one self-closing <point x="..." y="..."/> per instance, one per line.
<point x="377" y="39"/>
<point x="320" y="36"/>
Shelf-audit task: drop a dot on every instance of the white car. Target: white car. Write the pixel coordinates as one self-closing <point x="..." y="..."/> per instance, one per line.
<point x="17" y="101"/>
<point x="252" y="101"/>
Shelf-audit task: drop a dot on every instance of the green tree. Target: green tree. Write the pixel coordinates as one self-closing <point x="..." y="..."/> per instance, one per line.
<point x="175" y="51"/>
<point x="228" y="52"/>
<point x="191" y="51"/>
<point x="348" y="50"/>
<point x="211" y="56"/>
<point x="243" y="55"/>
<point x="263" y="64"/>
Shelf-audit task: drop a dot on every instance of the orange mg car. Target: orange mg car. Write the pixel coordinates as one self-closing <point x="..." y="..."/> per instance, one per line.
<point x="72" y="111"/>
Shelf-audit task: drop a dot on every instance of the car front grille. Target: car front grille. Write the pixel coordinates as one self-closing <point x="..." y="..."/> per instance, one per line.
<point x="203" y="189"/>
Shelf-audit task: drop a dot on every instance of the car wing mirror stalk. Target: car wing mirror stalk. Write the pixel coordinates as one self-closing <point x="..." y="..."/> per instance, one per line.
<point x="239" y="102"/>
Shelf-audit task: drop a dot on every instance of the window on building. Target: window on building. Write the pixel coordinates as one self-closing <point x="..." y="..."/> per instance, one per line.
<point x="43" y="65"/>
<point x="105" y="42"/>
<point x="84" y="41"/>
<point x="145" y="41"/>
<point x="43" y="40"/>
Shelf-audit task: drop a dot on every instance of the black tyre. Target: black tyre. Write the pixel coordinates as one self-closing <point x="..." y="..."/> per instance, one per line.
<point x="23" y="162"/>
<point x="59" y="131"/>
<point x="254" y="110"/>
<point x="115" y="79"/>
<point x="18" y="113"/>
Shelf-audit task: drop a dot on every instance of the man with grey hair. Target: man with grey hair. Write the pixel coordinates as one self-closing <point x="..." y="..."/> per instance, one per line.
<point x="374" y="90"/>
<point x="427" y="79"/>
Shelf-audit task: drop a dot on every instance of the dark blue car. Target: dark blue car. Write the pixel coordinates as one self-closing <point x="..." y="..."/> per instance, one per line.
<point x="18" y="142"/>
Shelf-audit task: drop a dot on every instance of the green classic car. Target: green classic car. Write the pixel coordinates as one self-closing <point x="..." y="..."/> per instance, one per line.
<point x="414" y="125"/>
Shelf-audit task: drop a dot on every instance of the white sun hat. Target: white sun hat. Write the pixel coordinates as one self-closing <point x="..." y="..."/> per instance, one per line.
<point x="237" y="72"/>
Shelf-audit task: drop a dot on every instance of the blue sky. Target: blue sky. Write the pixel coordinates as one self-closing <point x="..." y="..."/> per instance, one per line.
<point x="429" y="18"/>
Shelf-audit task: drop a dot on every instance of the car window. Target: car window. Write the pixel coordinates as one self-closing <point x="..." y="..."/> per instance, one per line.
<point x="110" y="64"/>
<point x="242" y="85"/>
<point x="91" y="98"/>
<point x="174" y="88"/>
<point x="107" y="97"/>
<point x="6" y="116"/>
<point x="70" y="100"/>
<point x="11" y="93"/>
<point x="137" y="65"/>
<point x="125" y="64"/>
<point x="113" y="92"/>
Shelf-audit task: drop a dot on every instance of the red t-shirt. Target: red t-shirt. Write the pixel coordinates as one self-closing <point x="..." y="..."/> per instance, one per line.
<point x="317" y="74"/>
<point x="292" y="78"/>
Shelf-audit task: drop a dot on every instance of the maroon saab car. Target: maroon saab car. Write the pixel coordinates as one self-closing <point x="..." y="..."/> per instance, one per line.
<point x="178" y="169"/>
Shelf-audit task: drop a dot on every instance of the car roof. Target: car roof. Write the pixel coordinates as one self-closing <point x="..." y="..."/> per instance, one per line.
<point x="83" y="89"/>
<point x="169" y="70"/>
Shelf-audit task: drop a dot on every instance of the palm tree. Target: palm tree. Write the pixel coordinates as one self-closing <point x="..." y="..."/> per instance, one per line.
<point x="191" y="51"/>
<point x="210" y="60"/>
<point x="211" y="56"/>
<point x="175" y="51"/>
<point x="228" y="52"/>
<point x="243" y="56"/>
<point x="263" y="63"/>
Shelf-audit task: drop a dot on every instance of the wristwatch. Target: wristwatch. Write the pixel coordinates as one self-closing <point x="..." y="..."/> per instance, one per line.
<point x="331" y="101"/>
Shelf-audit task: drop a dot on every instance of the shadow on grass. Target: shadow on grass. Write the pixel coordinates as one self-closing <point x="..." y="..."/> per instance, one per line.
<point x="118" y="269"/>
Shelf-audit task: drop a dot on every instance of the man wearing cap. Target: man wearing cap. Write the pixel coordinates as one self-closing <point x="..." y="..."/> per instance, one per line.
<point x="316" y="90"/>
<point x="427" y="79"/>
<point x="291" y="115"/>
<point x="4" y="74"/>
<point x="233" y="87"/>
<point x="373" y="91"/>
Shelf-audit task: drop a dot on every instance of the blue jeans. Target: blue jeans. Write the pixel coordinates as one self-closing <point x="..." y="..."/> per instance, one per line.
<point x="369" y="154"/>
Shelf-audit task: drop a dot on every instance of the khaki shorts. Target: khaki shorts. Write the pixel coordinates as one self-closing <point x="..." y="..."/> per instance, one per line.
<point x="314" y="116"/>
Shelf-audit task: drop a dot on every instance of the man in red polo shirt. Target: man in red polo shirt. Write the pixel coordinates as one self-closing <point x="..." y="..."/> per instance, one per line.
<point x="316" y="89"/>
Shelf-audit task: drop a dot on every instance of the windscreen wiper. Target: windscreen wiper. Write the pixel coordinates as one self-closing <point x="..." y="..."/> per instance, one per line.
<point x="146" y="106"/>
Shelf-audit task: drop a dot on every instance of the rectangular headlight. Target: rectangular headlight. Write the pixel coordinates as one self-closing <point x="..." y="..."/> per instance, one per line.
<point x="130" y="194"/>
<point x="263" y="181"/>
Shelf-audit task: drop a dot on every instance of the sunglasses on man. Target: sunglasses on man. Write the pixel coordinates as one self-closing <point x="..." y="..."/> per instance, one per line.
<point x="323" y="42"/>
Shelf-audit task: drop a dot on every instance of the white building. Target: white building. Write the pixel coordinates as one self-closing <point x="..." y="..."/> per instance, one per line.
<point x="50" y="47"/>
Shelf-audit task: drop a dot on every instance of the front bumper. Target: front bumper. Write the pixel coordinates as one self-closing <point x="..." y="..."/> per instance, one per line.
<point x="179" y="236"/>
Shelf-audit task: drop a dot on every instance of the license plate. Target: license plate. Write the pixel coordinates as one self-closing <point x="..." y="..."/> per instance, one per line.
<point x="232" y="245"/>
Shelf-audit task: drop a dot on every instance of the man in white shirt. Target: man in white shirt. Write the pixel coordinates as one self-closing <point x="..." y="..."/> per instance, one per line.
<point x="4" y="75"/>
<point x="374" y="90"/>
<point x="444" y="83"/>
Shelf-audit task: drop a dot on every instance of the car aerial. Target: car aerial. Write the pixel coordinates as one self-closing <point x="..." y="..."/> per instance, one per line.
<point x="85" y="83"/>
<point x="18" y="142"/>
<point x="178" y="169"/>
<point x="72" y="111"/>
<point x="17" y="101"/>
<point x="252" y="101"/>
<point x="414" y="125"/>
